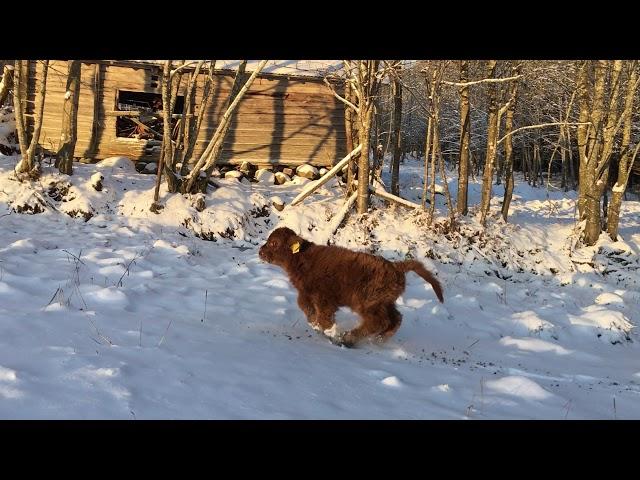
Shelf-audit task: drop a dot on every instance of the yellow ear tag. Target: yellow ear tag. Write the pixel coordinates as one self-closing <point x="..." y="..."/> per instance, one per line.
<point x="295" y="247"/>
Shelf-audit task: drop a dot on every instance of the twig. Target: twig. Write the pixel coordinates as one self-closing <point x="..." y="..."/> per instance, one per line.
<point x="126" y="270"/>
<point x="342" y="99"/>
<point x="54" y="296"/>
<point x="485" y="80"/>
<point x="206" y="292"/>
<point x="529" y="127"/>
<point x="568" y="405"/>
<point x="165" y="332"/>
<point x="312" y="187"/>
<point x="77" y="258"/>
<point x="98" y="331"/>
<point x="473" y="343"/>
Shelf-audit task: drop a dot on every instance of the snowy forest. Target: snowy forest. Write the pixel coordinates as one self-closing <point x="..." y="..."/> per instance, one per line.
<point x="135" y="196"/>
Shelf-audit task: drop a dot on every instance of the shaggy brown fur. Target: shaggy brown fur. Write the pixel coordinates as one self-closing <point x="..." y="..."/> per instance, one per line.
<point x="330" y="277"/>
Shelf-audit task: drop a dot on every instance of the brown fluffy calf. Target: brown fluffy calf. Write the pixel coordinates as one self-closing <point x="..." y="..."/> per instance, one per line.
<point x="330" y="277"/>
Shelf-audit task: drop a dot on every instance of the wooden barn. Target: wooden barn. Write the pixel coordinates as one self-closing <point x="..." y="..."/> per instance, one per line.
<point x="289" y="115"/>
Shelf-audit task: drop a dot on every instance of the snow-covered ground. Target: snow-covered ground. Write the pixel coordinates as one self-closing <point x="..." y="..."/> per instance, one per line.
<point x="137" y="315"/>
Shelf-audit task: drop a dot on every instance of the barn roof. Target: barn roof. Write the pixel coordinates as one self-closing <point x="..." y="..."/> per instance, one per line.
<point x="304" y="68"/>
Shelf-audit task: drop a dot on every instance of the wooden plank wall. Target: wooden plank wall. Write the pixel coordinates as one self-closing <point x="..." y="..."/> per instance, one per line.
<point x="286" y="121"/>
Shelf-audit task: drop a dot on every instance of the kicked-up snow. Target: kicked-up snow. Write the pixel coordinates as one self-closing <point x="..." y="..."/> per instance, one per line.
<point x="111" y="311"/>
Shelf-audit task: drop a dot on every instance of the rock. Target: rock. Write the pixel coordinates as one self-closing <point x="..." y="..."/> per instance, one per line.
<point x="323" y="172"/>
<point x="234" y="174"/>
<point x="265" y="176"/>
<point x="277" y="203"/>
<point x="288" y="171"/>
<point x="245" y="168"/>
<point x="307" y="171"/>
<point x="198" y="203"/>
<point x="281" y="178"/>
<point x="151" y="167"/>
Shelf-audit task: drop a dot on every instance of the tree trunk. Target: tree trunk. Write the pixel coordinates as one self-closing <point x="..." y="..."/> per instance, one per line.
<point x="465" y="139"/>
<point x="352" y="135"/>
<point x="536" y="161"/>
<point x="68" y="137"/>
<point x="589" y="191"/>
<point x="508" y="161"/>
<point x="396" y="87"/>
<point x="19" y="94"/>
<point x="185" y="127"/>
<point x="27" y="163"/>
<point x="583" y="130"/>
<point x="626" y="160"/>
<point x="427" y="152"/>
<point x="366" y="90"/>
<point x="563" y="158"/>
<point x="366" y="115"/>
<point x="6" y="84"/>
<point x="193" y="129"/>
<point x="166" y="162"/>
<point x="508" y="146"/>
<point x="596" y="154"/>
<point x="435" y="139"/>
<point x="492" y="138"/>
<point x="572" y="173"/>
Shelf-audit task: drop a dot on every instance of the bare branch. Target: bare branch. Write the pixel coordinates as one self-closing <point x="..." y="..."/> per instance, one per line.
<point x="182" y="67"/>
<point x="485" y="80"/>
<point x="529" y="127"/>
<point x="312" y="187"/>
<point x="342" y="99"/>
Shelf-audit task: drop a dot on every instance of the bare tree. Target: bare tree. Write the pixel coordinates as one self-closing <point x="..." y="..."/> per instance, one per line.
<point x="193" y="182"/>
<point x="601" y="117"/>
<point x="364" y="76"/>
<point x="192" y="128"/>
<point x="28" y="145"/>
<point x="627" y="158"/>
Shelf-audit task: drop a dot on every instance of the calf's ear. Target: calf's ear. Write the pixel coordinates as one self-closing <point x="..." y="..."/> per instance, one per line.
<point x="297" y="244"/>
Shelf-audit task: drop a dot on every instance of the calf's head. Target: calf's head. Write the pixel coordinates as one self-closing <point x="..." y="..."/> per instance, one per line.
<point x="281" y="246"/>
